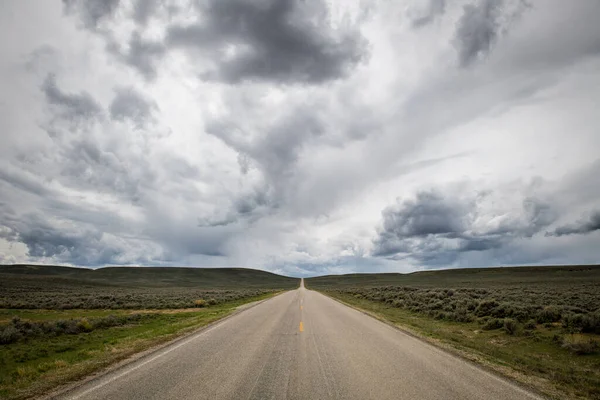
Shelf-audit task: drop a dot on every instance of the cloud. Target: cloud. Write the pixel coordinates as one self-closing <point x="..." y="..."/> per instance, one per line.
<point x="580" y="228"/>
<point x="429" y="214"/>
<point x="277" y="135"/>
<point x="425" y="16"/>
<point x="141" y="54"/>
<point x="91" y="12"/>
<point x="285" y="41"/>
<point x="272" y="145"/>
<point x="481" y="24"/>
<point x="282" y="41"/>
<point x="129" y="104"/>
<point x="74" y="107"/>
<point x="144" y="9"/>
<point x="59" y="241"/>
<point x="435" y="228"/>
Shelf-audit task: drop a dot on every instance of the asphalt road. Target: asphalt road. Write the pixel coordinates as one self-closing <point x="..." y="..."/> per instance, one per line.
<point x="300" y="345"/>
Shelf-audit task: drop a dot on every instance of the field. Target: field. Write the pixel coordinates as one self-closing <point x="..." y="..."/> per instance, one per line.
<point x="540" y="325"/>
<point x="58" y="324"/>
<point x="51" y="287"/>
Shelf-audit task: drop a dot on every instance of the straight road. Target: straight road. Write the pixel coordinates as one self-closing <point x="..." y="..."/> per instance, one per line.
<point x="300" y="345"/>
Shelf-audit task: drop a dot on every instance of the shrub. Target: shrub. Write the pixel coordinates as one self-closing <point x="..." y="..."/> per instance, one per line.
<point x="485" y="307"/>
<point x="83" y="325"/>
<point x="462" y="315"/>
<point x="212" y="301"/>
<point x="398" y="303"/>
<point x="510" y="326"/>
<point x="9" y="334"/>
<point x="549" y="314"/>
<point x="200" y="303"/>
<point x="441" y="315"/>
<point x="530" y="325"/>
<point x="579" y="344"/>
<point x="493" y="323"/>
<point x="589" y="323"/>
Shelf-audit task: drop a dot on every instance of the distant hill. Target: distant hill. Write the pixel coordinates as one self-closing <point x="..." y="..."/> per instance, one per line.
<point x="465" y="277"/>
<point x="159" y="277"/>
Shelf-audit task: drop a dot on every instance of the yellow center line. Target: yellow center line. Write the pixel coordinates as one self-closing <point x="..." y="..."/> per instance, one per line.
<point x="301" y="307"/>
<point x="301" y="327"/>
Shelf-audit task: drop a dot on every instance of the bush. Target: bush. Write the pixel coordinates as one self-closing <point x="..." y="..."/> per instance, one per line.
<point x="485" y="307"/>
<point x="462" y="315"/>
<point x="580" y="345"/>
<point x="510" y="326"/>
<point x="549" y="314"/>
<point x="530" y="325"/>
<point x="493" y="323"/>
<point x="200" y="303"/>
<point x="9" y="334"/>
<point x="84" y="325"/>
<point x="589" y="323"/>
<point x="212" y="301"/>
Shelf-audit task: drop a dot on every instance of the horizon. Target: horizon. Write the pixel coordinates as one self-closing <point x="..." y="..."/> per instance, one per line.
<point x="308" y="276"/>
<point x="300" y="138"/>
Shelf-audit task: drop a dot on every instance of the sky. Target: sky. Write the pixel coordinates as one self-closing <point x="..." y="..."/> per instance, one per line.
<point x="300" y="137"/>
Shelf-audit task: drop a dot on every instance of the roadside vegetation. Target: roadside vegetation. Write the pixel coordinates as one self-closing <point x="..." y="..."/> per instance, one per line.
<point x="60" y="324"/>
<point x="53" y="287"/>
<point x="539" y="325"/>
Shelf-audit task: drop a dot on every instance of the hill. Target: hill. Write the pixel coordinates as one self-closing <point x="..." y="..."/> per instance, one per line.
<point x="466" y="277"/>
<point x="149" y="277"/>
<point x="56" y="287"/>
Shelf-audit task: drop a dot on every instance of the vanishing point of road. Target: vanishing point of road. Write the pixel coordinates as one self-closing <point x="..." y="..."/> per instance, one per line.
<point x="299" y="345"/>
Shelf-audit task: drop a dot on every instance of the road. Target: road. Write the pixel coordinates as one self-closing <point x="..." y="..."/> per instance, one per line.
<point x="300" y="345"/>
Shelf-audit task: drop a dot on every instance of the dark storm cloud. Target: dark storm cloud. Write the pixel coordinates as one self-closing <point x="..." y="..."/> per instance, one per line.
<point x="70" y="106"/>
<point x="276" y="149"/>
<point x="129" y="104"/>
<point x="580" y="228"/>
<point x="429" y="214"/>
<point x="434" y="9"/>
<point x="247" y="207"/>
<point x="276" y="40"/>
<point x="91" y="12"/>
<point x="285" y="41"/>
<point x="277" y="152"/>
<point x="481" y="25"/>
<point x="141" y="54"/>
<point x="477" y="30"/>
<point x="435" y="228"/>
<point x="143" y="10"/>
<point x="75" y="245"/>
<point x="538" y="215"/>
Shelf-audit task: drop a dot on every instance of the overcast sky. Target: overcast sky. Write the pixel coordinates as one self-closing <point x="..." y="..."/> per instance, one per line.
<point x="300" y="137"/>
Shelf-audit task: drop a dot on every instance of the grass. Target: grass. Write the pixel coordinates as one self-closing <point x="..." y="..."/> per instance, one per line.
<point x="150" y="277"/>
<point x="54" y="287"/>
<point x="34" y="365"/>
<point x="539" y="325"/>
